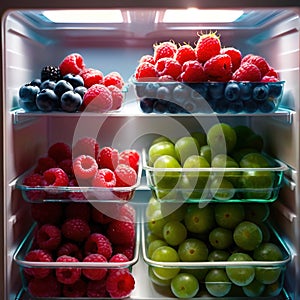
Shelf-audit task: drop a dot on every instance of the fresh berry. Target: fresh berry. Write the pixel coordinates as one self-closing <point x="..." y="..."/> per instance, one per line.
<point x="73" y="63"/>
<point x="104" y="178"/>
<point x="119" y="257"/>
<point x="165" y="78"/>
<point x="125" y="175"/>
<point x="75" y="290"/>
<point x="98" y="98"/>
<point x="218" y="68"/>
<point x="145" y="71"/>
<point x="247" y="72"/>
<point x="96" y="289"/>
<point x="76" y="230"/>
<point x="99" y="217"/>
<point x="48" y="84"/>
<point x="61" y="87"/>
<point x="168" y="66"/>
<point x="75" y="80"/>
<point x="38" y="255"/>
<point x="272" y="72"/>
<point x="117" y="97"/>
<point x="78" y="210"/>
<point x="108" y="158"/>
<point x="67" y="275"/>
<point x="67" y="166"/>
<point x="164" y="49"/>
<point x="126" y="211"/>
<point x="130" y="157"/>
<point x="269" y="79"/>
<point x="45" y="163"/>
<point x="47" y="100"/>
<point x="56" y="177"/>
<point x="27" y="95"/>
<point x="88" y="146"/>
<point x="47" y="213"/>
<point x="70" y="101"/>
<point x="35" y="180"/>
<point x="45" y="287"/>
<point x="259" y="61"/>
<point x="98" y="243"/>
<point x="60" y="151"/>
<point x="91" y="76"/>
<point x="113" y="78"/>
<point x="120" y="283"/>
<point x="126" y="249"/>
<point x="75" y="195"/>
<point x="147" y="58"/>
<point x="95" y="273"/>
<point x="48" y="237"/>
<point x="70" y="249"/>
<point x="207" y="46"/>
<point x="185" y="53"/>
<point x="84" y="167"/>
<point x="50" y="72"/>
<point x="192" y="71"/>
<point x="121" y="232"/>
<point x="235" y="55"/>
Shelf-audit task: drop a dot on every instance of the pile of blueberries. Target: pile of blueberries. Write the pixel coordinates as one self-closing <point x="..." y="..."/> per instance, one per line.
<point x="209" y="97"/>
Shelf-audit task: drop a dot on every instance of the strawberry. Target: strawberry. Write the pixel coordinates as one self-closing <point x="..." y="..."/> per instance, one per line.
<point x="145" y="71"/>
<point x="218" y="68"/>
<point x="185" y="53"/>
<point x="192" y="71"/>
<point x="259" y="61"/>
<point x="168" y="66"/>
<point x="235" y="54"/>
<point x="247" y="72"/>
<point x="208" y="45"/>
<point x="164" y="49"/>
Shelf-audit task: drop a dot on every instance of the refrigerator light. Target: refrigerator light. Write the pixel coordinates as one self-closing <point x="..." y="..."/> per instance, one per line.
<point x="194" y="15"/>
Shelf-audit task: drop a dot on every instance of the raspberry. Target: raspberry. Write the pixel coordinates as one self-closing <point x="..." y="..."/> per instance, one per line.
<point x="120" y="283"/>
<point x="192" y="71"/>
<point x="130" y="157"/>
<point x="45" y="163"/>
<point x="95" y="273"/>
<point x="56" y="177"/>
<point x="164" y="49"/>
<point x="45" y="287"/>
<point x="67" y="275"/>
<point x="67" y="166"/>
<point x="235" y="55"/>
<point x="165" y="78"/>
<point x="126" y="249"/>
<point x="273" y="73"/>
<point x="147" y="58"/>
<point x="104" y="178"/>
<point x="119" y="257"/>
<point x="185" y="53"/>
<point x="96" y="289"/>
<point x="35" y="180"/>
<point x="218" y="68"/>
<point x="168" y="66"/>
<point x="108" y="158"/>
<point x="98" y="98"/>
<point x="121" y="232"/>
<point x="88" y="146"/>
<point x="73" y="63"/>
<point x="145" y="71"/>
<point x="259" y="61"/>
<point x="44" y="213"/>
<point x="115" y="79"/>
<point x="98" y="243"/>
<point x="78" y="211"/>
<point x="100" y="217"/>
<point x="75" y="290"/>
<point x="247" y="72"/>
<point x="85" y="167"/>
<point x="48" y="237"/>
<point x="125" y="175"/>
<point x="38" y="255"/>
<point x="70" y="249"/>
<point x="76" y="230"/>
<point x="269" y="79"/>
<point x="117" y="97"/>
<point x="60" y="151"/>
<point x="75" y="195"/>
<point x="207" y="46"/>
<point x="91" y="76"/>
<point x="126" y="211"/>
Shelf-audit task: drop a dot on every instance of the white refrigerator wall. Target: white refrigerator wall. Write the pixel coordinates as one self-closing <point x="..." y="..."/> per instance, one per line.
<point x="27" y="47"/>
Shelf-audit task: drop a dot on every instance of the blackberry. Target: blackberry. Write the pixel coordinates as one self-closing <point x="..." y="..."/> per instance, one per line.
<point x="50" y="72"/>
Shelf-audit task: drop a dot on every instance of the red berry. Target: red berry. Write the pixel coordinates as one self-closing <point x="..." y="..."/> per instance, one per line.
<point x="75" y="290"/>
<point x="192" y="71"/>
<point x="219" y="68"/>
<point x="104" y="178"/>
<point x="126" y="249"/>
<point x="56" y="177"/>
<point x="98" y="243"/>
<point x="208" y="46"/>
<point x="117" y="97"/>
<point x="91" y="76"/>
<point x="48" y="237"/>
<point x="78" y="210"/>
<point x="75" y="195"/>
<point x="108" y="158"/>
<point x="73" y="63"/>
<point x="120" y="283"/>
<point x="70" y="249"/>
<point x="235" y="54"/>
<point x="67" y="275"/>
<point x="147" y="58"/>
<point x="272" y="73"/>
<point x="185" y="53"/>
<point x="88" y="146"/>
<point x="125" y="175"/>
<point x="145" y="71"/>
<point x="119" y="257"/>
<point x="165" y="78"/>
<point x="96" y="289"/>
<point x="113" y="78"/>
<point x="121" y="232"/>
<point x="38" y="255"/>
<point x="269" y="79"/>
<point x="85" y="167"/>
<point x="45" y="287"/>
<point x="130" y="157"/>
<point x="97" y="98"/>
<point x="164" y="49"/>
<point x="95" y="273"/>
<point x="35" y="180"/>
<point x="99" y="217"/>
<point x="67" y="166"/>
<point x="247" y="72"/>
<point x="45" y="163"/>
<point x="60" y="151"/>
<point x="76" y="230"/>
<point x="44" y="213"/>
<point x="259" y="61"/>
<point x="168" y="66"/>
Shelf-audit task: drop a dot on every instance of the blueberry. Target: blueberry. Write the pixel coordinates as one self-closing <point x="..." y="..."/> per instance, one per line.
<point x="250" y="106"/>
<point x="47" y="100"/>
<point x="81" y="90"/>
<point x="36" y="82"/>
<point x="232" y="91"/>
<point x="200" y="88"/>
<point x="163" y="93"/>
<point x="174" y="108"/>
<point x="180" y="93"/>
<point x="151" y="89"/>
<point x="245" y="91"/>
<point x="261" y="92"/>
<point x="275" y="89"/>
<point x="160" y="106"/>
<point x="62" y="86"/>
<point x="146" y="105"/>
<point x="140" y="90"/>
<point x="70" y="101"/>
<point x="28" y="92"/>
<point x="235" y="106"/>
<point x="48" y="84"/>
<point x="75" y="80"/>
<point x="216" y="90"/>
<point x="221" y="106"/>
<point x="266" y="106"/>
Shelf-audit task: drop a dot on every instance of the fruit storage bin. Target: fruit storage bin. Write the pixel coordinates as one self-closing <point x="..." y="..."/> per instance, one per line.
<point x="209" y="97"/>
<point x="171" y="184"/>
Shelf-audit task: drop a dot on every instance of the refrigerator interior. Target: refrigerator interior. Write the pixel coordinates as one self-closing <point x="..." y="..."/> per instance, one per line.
<point x="30" y="41"/>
